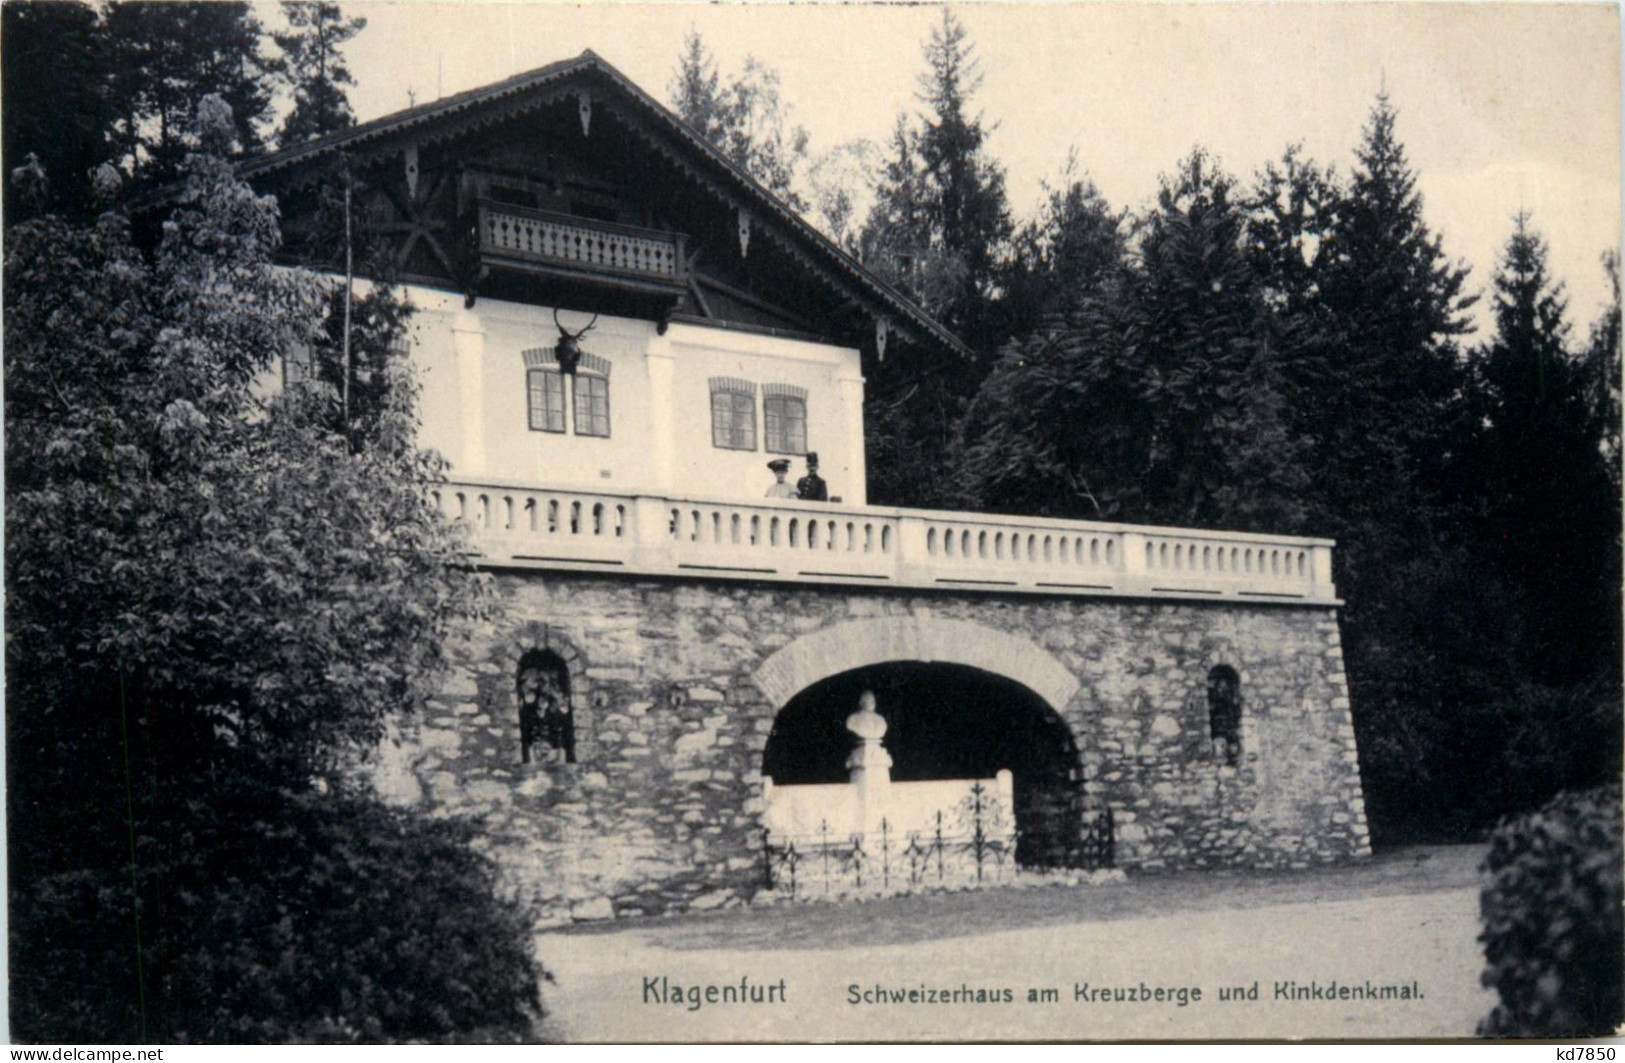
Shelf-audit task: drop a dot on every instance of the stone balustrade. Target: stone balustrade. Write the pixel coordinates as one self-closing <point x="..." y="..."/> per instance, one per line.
<point x="516" y="526"/>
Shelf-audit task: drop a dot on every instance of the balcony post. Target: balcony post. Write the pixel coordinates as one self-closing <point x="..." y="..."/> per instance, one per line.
<point x="650" y="548"/>
<point x="1320" y="571"/>
<point x="1131" y="562"/>
<point x="911" y="564"/>
<point x="651" y="534"/>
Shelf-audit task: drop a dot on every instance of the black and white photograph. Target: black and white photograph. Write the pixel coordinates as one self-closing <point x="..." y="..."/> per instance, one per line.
<point x="536" y="523"/>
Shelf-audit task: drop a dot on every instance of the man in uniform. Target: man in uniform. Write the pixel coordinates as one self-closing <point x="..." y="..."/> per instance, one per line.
<point x="780" y="489"/>
<point x="811" y="487"/>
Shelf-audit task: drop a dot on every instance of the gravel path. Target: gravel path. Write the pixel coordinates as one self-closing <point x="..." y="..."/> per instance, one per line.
<point x="1407" y="918"/>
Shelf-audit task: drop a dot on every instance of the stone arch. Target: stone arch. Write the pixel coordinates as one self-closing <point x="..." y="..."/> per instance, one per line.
<point x="857" y="643"/>
<point x="498" y="695"/>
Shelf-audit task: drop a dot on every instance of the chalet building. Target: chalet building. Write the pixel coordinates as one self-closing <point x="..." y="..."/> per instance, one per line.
<point x="696" y="692"/>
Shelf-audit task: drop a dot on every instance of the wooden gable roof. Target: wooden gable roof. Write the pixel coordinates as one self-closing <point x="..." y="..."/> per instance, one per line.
<point x="596" y="86"/>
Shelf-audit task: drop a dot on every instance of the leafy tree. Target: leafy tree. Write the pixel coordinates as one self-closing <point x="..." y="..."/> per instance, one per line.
<point x="840" y="185"/>
<point x="1059" y="427"/>
<point x="1220" y="452"/>
<point x="314" y="70"/>
<point x="214" y="599"/>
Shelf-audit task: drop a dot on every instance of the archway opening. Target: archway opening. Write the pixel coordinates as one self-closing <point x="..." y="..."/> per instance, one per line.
<point x="546" y="719"/>
<point x="945" y="721"/>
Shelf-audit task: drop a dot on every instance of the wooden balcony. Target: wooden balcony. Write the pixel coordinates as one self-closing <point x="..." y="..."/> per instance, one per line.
<point x="566" y="247"/>
<point x="805" y="542"/>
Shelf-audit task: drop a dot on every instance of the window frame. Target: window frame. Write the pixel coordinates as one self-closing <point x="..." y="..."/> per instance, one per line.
<point x="546" y="374"/>
<point x="788" y="397"/>
<point x="740" y="396"/>
<point x="544" y="361"/>
<point x="587" y="377"/>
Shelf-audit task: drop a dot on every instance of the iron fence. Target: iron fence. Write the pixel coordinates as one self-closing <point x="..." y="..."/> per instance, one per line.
<point x="972" y="844"/>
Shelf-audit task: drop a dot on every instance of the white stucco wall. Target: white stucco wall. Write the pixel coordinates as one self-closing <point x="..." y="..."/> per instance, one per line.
<point x="473" y="402"/>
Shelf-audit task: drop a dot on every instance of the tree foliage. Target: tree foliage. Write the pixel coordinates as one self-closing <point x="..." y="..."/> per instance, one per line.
<point x="314" y="70"/>
<point x="941" y="218"/>
<point x="746" y="119"/>
<point x="1553" y="940"/>
<point x="1603" y="372"/>
<point x="1075" y="243"/>
<point x="165" y="58"/>
<point x="89" y="85"/>
<point x="1157" y="398"/>
<point x="53" y="61"/>
<point x="215" y="597"/>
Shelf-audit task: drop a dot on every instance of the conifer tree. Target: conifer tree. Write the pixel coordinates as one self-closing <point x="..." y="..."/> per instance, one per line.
<point x="746" y="119"/>
<point x="1076" y="241"/>
<point x="1603" y="372"/>
<point x="1376" y="381"/>
<point x="939" y="225"/>
<point x="942" y="218"/>
<point x="1549" y="501"/>
<point x="696" y="89"/>
<point x="314" y="70"/>
<point x="169" y="56"/>
<point x="1158" y="399"/>
<point x="1399" y="307"/>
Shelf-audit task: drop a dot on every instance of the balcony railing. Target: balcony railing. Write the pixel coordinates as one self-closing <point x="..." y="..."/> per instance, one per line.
<point x="565" y="243"/>
<point x="806" y="542"/>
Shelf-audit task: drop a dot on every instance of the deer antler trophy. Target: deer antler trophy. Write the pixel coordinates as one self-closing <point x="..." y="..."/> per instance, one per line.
<point x="568" y="350"/>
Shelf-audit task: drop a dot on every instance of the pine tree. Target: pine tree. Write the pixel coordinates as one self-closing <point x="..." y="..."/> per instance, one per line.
<point x="942" y="219"/>
<point x="939" y="225"/>
<point x="1603" y="372"/>
<point x="746" y="119"/>
<point x="1399" y="306"/>
<point x="314" y="70"/>
<point x="1377" y="386"/>
<point x="166" y="57"/>
<point x="1157" y="399"/>
<point x="1549" y="500"/>
<point x="1074" y="244"/>
<point x="971" y="215"/>
<point x="696" y="89"/>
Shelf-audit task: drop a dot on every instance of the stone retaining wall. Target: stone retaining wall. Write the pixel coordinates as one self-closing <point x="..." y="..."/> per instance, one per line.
<point x="673" y="707"/>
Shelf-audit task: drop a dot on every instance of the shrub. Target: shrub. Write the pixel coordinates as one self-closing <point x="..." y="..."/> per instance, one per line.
<point x="1552" y="922"/>
<point x="274" y="918"/>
